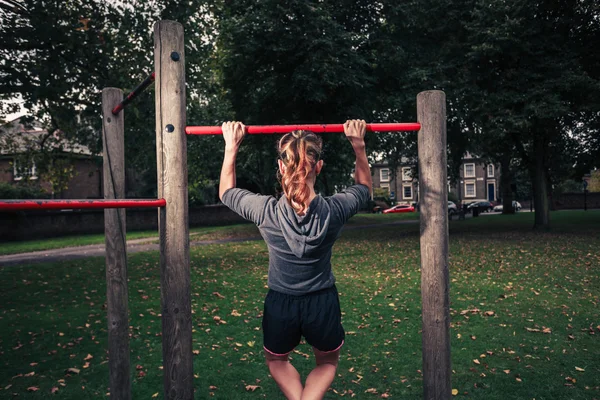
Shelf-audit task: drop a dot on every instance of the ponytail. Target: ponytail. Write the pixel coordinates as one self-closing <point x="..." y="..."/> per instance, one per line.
<point x="300" y="151"/>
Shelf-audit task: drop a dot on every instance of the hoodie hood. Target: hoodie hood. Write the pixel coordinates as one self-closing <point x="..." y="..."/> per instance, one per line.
<point x="304" y="233"/>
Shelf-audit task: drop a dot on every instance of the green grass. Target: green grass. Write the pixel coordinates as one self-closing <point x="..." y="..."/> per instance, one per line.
<point x="198" y="233"/>
<point x="53" y="316"/>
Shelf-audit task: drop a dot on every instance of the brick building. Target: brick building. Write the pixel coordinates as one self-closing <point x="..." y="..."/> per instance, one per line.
<point x="17" y="138"/>
<point x="478" y="181"/>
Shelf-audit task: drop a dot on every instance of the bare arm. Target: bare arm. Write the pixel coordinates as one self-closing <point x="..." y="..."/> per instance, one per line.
<point x="355" y="132"/>
<point x="233" y="133"/>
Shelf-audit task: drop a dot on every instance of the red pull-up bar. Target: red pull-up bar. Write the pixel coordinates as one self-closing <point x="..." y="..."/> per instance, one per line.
<point x="317" y="128"/>
<point x="134" y="93"/>
<point x="18" y="205"/>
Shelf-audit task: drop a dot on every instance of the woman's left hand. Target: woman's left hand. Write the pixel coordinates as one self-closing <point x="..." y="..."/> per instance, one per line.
<point x="233" y="133"/>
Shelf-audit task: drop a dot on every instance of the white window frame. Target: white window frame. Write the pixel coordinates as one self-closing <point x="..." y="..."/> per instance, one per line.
<point x="492" y="175"/>
<point x="381" y="175"/>
<point x="18" y="177"/>
<point x="411" y="192"/>
<point x="405" y="176"/>
<point x="385" y="186"/>
<point x="465" y="171"/>
<point x="474" y="189"/>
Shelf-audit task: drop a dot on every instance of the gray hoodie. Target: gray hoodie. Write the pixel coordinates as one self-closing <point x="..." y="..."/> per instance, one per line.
<point x="299" y="245"/>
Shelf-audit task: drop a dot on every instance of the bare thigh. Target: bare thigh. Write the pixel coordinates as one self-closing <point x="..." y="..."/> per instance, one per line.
<point x="272" y="357"/>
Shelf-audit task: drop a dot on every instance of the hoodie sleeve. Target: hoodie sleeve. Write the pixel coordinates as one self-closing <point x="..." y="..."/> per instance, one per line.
<point x="348" y="202"/>
<point x="248" y="205"/>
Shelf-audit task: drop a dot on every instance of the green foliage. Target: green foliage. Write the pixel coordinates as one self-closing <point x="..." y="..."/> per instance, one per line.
<point x="293" y="62"/>
<point x="27" y="190"/>
<point x="202" y="193"/>
<point x="453" y="197"/>
<point x="569" y="186"/>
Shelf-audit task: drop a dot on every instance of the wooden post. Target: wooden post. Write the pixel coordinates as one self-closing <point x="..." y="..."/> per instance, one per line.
<point x="171" y="152"/>
<point x="116" y="247"/>
<point x="433" y="184"/>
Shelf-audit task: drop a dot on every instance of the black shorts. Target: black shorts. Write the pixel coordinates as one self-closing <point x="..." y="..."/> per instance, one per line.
<point x="316" y="316"/>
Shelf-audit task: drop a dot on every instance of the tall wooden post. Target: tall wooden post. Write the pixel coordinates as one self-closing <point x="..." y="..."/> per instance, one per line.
<point x="116" y="247"/>
<point x="433" y="186"/>
<point x="171" y="153"/>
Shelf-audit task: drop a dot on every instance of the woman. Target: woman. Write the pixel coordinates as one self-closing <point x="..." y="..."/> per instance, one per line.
<point x="300" y="230"/>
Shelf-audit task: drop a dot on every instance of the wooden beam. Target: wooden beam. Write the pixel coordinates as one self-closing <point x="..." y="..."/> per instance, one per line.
<point x="113" y="150"/>
<point x="433" y="206"/>
<point x="171" y="153"/>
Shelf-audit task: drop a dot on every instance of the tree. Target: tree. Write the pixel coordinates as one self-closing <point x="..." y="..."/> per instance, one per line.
<point x="293" y="62"/>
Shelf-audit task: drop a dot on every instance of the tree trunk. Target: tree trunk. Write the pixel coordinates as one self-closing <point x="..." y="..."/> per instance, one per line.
<point x="505" y="184"/>
<point x="539" y="178"/>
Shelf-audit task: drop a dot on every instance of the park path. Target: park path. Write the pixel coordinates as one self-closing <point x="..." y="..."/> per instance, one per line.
<point x="133" y="246"/>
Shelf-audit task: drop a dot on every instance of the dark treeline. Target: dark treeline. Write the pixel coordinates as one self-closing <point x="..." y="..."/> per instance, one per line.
<point x="522" y="79"/>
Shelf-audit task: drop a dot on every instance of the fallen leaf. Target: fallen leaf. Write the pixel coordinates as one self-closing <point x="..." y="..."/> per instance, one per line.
<point x="54" y="390"/>
<point x="196" y="352"/>
<point x="476" y="361"/>
<point x="454" y="392"/>
<point x="251" y="343"/>
<point x="74" y="370"/>
<point x="155" y="395"/>
<point x="212" y="387"/>
<point x="219" y="295"/>
<point x="33" y="389"/>
<point x="579" y="369"/>
<point x="506" y="371"/>
<point x="251" y="388"/>
<point x="88" y="357"/>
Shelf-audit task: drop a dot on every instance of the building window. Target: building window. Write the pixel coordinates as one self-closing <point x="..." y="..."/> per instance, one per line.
<point x="469" y="170"/>
<point x="384" y="175"/>
<point x="407" y="192"/>
<point x="490" y="171"/>
<point x="20" y="172"/>
<point x="407" y="174"/>
<point x="470" y="189"/>
<point x="385" y="186"/>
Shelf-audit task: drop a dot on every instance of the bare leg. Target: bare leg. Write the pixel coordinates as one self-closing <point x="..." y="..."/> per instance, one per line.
<point x="320" y="378"/>
<point x="285" y="375"/>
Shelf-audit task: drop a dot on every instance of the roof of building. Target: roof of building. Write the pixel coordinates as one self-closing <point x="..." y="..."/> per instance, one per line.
<point x="17" y="137"/>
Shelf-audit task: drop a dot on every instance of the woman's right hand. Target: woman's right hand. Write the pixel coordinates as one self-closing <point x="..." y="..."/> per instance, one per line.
<point x="355" y="130"/>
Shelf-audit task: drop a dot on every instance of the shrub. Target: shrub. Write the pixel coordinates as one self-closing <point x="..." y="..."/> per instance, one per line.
<point x="21" y="191"/>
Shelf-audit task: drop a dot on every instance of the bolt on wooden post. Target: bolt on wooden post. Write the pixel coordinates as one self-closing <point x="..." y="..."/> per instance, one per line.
<point x="433" y="206"/>
<point x="171" y="153"/>
<point x="113" y="152"/>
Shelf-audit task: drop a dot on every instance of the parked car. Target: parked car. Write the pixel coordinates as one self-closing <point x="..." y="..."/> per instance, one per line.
<point x="516" y="206"/>
<point x="400" y="208"/>
<point x="452" y="209"/>
<point x="482" y="205"/>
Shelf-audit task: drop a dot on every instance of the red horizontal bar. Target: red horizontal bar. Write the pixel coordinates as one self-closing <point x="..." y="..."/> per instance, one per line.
<point x="134" y="93"/>
<point x="18" y="205"/>
<point x="317" y="128"/>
